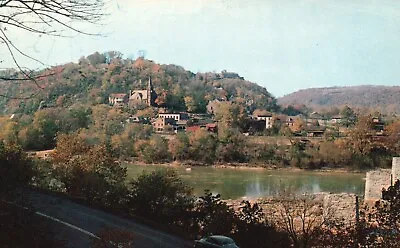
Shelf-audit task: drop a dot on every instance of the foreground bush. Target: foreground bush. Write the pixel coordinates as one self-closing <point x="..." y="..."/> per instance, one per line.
<point x="89" y="172"/>
<point x="16" y="169"/>
<point x="161" y="196"/>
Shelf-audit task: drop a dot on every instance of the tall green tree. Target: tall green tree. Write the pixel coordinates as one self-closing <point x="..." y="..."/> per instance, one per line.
<point x="348" y="117"/>
<point x="161" y="195"/>
<point x="232" y="146"/>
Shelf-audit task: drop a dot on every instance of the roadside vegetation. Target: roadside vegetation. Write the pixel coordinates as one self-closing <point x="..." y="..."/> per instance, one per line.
<point x="20" y="227"/>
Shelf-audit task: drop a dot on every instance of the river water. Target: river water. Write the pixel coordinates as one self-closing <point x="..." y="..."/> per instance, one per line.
<point x="235" y="183"/>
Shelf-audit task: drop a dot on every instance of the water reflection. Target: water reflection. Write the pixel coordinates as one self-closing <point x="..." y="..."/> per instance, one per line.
<point x="273" y="186"/>
<point x="256" y="189"/>
<point x="237" y="183"/>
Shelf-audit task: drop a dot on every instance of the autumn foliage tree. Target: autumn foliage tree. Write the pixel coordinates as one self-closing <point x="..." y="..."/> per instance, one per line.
<point x="9" y="129"/>
<point x="229" y="114"/>
<point x="392" y="141"/>
<point x="179" y="147"/>
<point x="298" y="125"/>
<point x="153" y="150"/>
<point x="361" y="136"/>
<point x="89" y="172"/>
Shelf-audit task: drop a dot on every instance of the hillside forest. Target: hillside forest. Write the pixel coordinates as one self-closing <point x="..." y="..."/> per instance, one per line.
<point x="73" y="100"/>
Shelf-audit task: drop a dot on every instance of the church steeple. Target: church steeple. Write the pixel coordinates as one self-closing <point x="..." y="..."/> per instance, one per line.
<point x="149" y="92"/>
<point x="149" y="86"/>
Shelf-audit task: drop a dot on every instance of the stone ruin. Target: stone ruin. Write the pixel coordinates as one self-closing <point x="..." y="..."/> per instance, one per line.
<point x="376" y="180"/>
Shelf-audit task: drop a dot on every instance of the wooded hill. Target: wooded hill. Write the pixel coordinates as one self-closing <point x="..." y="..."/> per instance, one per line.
<point x="95" y="77"/>
<point x="384" y="99"/>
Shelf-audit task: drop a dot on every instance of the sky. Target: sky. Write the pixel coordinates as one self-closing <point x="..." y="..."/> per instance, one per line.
<point x="282" y="45"/>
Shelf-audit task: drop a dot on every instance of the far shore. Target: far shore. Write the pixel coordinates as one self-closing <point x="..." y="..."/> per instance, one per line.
<point x="239" y="166"/>
<point x="244" y="166"/>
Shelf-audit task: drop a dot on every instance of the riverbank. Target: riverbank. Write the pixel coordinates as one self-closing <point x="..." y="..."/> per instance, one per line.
<point x="241" y="166"/>
<point x="245" y="166"/>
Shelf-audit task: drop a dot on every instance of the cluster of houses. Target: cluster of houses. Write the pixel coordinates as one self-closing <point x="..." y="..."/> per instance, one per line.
<point x="313" y="125"/>
<point x="175" y="122"/>
<point x="167" y="122"/>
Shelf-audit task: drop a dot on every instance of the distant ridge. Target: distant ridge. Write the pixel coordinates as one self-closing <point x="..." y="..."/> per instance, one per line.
<point x="385" y="99"/>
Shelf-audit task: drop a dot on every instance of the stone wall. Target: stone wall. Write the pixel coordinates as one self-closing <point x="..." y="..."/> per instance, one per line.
<point x="340" y="207"/>
<point x="375" y="181"/>
<point x="396" y="168"/>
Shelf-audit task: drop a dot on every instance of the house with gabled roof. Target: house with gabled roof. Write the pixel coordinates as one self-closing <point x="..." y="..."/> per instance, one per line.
<point x="118" y="99"/>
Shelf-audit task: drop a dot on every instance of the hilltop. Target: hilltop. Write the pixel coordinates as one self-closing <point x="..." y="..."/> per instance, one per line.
<point x="95" y="77"/>
<point x="384" y="99"/>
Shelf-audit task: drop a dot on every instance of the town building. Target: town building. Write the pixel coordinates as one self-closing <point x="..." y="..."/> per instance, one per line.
<point x="118" y="99"/>
<point x="315" y="131"/>
<point x="290" y="120"/>
<point x="336" y="119"/>
<point x="145" y="97"/>
<point x="175" y="116"/>
<point x="213" y="106"/>
<point x="164" y="125"/>
<point x="168" y="124"/>
<point x="210" y="127"/>
<point x="267" y="119"/>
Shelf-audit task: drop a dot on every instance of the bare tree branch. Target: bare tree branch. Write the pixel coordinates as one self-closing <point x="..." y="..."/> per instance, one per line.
<point x="44" y="17"/>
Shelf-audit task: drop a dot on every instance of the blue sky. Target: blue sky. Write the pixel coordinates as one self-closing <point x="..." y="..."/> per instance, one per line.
<point x="282" y="45"/>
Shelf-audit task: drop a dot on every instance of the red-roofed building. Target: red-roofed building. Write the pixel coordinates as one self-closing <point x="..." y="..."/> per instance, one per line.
<point x="210" y="127"/>
<point x="193" y="128"/>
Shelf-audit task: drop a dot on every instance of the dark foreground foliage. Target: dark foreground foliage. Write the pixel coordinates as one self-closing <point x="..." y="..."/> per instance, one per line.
<point x="90" y="173"/>
<point x="22" y="228"/>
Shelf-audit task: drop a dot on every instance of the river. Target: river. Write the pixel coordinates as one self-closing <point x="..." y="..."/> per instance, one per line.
<point x="235" y="183"/>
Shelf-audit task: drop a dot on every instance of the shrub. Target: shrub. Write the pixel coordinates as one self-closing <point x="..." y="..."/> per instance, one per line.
<point x="161" y="196"/>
